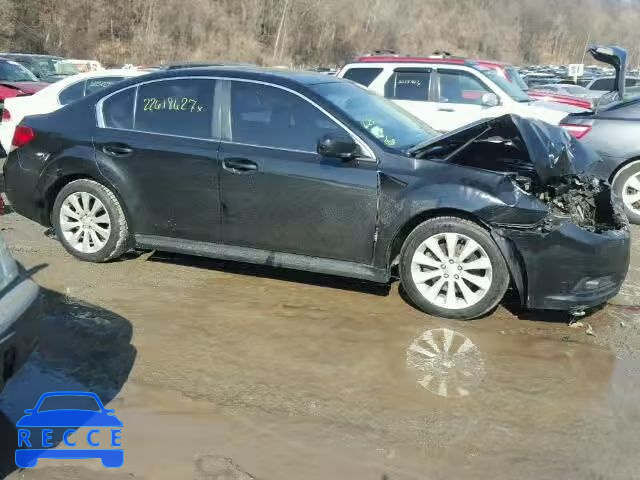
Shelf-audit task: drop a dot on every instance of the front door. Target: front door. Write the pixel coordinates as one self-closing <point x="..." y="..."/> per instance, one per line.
<point x="162" y="156"/>
<point x="278" y="194"/>
<point x="458" y="100"/>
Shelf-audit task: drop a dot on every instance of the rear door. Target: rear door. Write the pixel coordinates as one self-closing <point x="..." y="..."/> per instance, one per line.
<point x="158" y="143"/>
<point x="277" y="193"/>
<point x="411" y="88"/>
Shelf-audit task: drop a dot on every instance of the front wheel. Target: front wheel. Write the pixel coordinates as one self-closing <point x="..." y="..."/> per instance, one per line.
<point x="626" y="185"/>
<point x="451" y="267"/>
<point x="90" y="222"/>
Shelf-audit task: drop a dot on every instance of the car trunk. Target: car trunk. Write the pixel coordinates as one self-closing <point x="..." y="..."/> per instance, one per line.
<point x="542" y="161"/>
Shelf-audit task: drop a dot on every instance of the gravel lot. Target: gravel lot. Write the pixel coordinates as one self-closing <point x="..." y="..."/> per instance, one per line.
<point x="221" y="370"/>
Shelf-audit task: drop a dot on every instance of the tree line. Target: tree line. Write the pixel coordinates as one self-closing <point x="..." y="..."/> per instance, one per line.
<point x="315" y="32"/>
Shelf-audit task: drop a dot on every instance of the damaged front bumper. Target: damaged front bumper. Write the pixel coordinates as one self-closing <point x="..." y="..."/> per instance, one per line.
<point x="568" y="268"/>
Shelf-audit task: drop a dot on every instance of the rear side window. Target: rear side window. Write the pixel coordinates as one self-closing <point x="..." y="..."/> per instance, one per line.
<point x="117" y="110"/>
<point x="408" y="85"/>
<point x="631" y="82"/>
<point x="603" y="84"/>
<point x="181" y="107"/>
<point x="72" y="93"/>
<point x="96" y="84"/>
<point x="363" y="76"/>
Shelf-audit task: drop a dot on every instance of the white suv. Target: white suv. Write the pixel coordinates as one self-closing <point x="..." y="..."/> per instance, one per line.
<point x="448" y="93"/>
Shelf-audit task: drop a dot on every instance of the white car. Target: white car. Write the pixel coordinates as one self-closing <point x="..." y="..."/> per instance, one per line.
<point x="56" y="96"/>
<point x="447" y="93"/>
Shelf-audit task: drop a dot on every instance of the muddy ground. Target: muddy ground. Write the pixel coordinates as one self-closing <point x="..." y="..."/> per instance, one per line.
<point x="221" y="370"/>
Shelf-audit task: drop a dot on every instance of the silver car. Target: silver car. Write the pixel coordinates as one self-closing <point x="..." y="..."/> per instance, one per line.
<point x="20" y="309"/>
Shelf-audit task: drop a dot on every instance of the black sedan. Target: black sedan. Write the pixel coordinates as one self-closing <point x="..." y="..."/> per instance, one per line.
<point x="311" y="172"/>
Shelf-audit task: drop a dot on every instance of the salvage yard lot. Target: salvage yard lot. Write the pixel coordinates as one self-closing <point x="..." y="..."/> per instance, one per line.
<point x="218" y="368"/>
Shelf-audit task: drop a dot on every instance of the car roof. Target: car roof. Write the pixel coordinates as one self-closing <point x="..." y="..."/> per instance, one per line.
<point x="433" y="59"/>
<point x="273" y="75"/>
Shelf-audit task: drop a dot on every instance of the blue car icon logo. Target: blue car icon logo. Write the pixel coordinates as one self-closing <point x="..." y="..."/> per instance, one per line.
<point x="52" y="414"/>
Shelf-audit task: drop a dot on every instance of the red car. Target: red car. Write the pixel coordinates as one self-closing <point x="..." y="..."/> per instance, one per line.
<point x="15" y="80"/>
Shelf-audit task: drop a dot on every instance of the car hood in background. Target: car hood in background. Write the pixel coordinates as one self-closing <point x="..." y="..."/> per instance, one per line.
<point x="552" y="151"/>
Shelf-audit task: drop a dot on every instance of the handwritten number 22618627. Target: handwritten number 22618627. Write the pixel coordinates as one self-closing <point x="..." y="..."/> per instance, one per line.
<point x="176" y="104"/>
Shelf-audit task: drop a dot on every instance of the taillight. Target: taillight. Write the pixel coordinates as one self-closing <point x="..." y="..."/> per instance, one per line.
<point x="22" y="136"/>
<point x="6" y="116"/>
<point x="577" y="131"/>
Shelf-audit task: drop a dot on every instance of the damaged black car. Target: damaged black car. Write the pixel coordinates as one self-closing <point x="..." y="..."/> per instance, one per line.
<point x="314" y="173"/>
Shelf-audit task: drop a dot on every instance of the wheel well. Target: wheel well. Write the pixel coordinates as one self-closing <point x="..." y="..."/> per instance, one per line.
<point x="624" y="164"/>
<point x="54" y="190"/>
<point x="408" y="227"/>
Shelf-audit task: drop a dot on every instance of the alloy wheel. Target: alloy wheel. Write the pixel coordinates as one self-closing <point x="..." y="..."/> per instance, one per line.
<point x="631" y="193"/>
<point x="451" y="270"/>
<point x="85" y="222"/>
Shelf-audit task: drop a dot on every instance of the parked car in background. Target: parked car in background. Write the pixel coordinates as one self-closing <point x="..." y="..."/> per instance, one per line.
<point x="311" y="172"/>
<point x="47" y="68"/>
<point x="612" y="129"/>
<point x="446" y="92"/>
<point x="55" y="96"/>
<point x="21" y="80"/>
<point x="85" y="65"/>
<point x="20" y="310"/>
<point x="614" y="132"/>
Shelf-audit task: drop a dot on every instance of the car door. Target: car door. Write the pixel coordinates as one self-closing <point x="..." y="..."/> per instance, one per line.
<point x="410" y="88"/>
<point x="458" y="99"/>
<point x="158" y="144"/>
<point x="277" y="193"/>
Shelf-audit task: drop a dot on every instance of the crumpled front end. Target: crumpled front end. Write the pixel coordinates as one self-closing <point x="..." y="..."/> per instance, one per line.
<point x="578" y="256"/>
<point x="564" y="235"/>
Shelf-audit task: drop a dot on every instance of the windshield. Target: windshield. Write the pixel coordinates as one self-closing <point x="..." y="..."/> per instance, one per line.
<point x="14" y="72"/>
<point x="383" y="121"/>
<point x="514" y="77"/>
<point x="511" y="89"/>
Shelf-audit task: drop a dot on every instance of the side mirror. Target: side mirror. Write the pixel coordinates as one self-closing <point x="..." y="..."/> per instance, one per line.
<point x="490" y="100"/>
<point x="338" y="145"/>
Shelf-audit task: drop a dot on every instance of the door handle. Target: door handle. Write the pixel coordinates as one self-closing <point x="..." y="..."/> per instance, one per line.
<point x="446" y="110"/>
<point x="117" y="150"/>
<point x="240" y="166"/>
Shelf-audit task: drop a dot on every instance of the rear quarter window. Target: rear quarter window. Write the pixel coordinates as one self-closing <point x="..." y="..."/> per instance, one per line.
<point x="363" y="76"/>
<point x="117" y="110"/>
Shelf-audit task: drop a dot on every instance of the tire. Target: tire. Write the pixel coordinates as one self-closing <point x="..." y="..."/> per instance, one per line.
<point x="623" y="187"/>
<point x="424" y="264"/>
<point x="106" y="241"/>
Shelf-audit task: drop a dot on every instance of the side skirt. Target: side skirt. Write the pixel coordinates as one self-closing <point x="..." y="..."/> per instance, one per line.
<point x="264" y="257"/>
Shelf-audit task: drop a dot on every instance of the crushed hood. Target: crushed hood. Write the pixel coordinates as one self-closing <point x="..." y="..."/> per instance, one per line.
<point x="617" y="58"/>
<point x="551" y="151"/>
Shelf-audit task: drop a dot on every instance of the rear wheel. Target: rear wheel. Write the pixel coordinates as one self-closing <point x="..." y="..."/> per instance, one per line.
<point x="626" y="185"/>
<point x="451" y="267"/>
<point x="90" y="222"/>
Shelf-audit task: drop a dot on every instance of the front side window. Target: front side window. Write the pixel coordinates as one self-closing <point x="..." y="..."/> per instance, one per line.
<point x="182" y="107"/>
<point x="272" y="117"/>
<point x="72" y="93"/>
<point x="382" y="120"/>
<point x="461" y="87"/>
<point x="363" y="76"/>
<point x="408" y="85"/>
